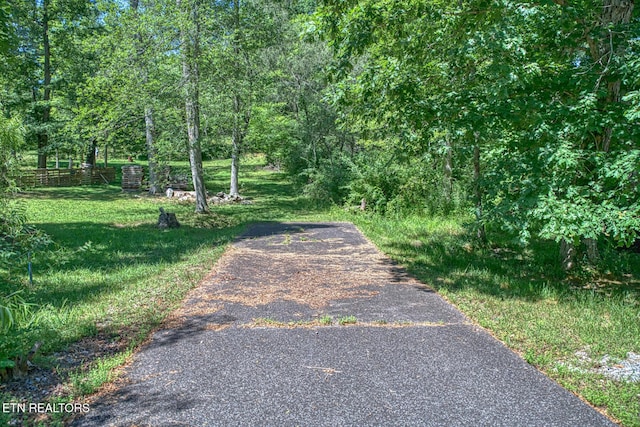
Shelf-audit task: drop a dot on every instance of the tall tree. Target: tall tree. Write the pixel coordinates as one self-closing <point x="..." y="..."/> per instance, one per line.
<point x="237" y="69"/>
<point x="45" y="106"/>
<point x="240" y="123"/>
<point x="150" y="130"/>
<point x="544" y="87"/>
<point x="40" y="77"/>
<point x="131" y="101"/>
<point x="190" y="48"/>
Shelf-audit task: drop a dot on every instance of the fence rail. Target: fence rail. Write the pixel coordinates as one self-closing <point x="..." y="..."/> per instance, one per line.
<point x="65" y="177"/>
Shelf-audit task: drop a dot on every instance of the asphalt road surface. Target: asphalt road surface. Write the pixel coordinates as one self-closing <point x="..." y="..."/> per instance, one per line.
<point x="309" y="325"/>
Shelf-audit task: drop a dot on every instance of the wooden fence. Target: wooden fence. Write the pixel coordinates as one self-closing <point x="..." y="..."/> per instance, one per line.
<point x="132" y="177"/>
<point x="65" y="177"/>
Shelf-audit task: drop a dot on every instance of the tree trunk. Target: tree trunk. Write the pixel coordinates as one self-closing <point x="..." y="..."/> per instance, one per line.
<point x="151" y="150"/>
<point x="604" y="50"/>
<point x="190" y="46"/>
<point x="593" y="254"/>
<point x="43" y="135"/>
<point x="447" y="182"/>
<point x="567" y="254"/>
<point x="91" y="153"/>
<point x="150" y="134"/>
<point x="481" y="234"/>
<point x="195" y="154"/>
<point x="236" y="137"/>
<point x="236" y="143"/>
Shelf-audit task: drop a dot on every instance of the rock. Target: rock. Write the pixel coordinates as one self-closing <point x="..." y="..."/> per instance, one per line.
<point x="223" y="198"/>
<point x="167" y="220"/>
<point x="184" y="195"/>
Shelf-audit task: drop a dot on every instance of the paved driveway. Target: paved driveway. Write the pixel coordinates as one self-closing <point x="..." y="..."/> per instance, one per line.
<point x="309" y="325"/>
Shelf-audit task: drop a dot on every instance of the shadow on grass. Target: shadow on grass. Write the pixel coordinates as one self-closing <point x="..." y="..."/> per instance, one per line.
<point x="456" y="263"/>
<point x="106" y="250"/>
<point x="97" y="264"/>
<point x="96" y="193"/>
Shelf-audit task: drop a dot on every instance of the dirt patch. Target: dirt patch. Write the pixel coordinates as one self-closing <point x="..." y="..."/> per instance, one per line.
<point x="306" y="279"/>
<point x="321" y="323"/>
<point x="41" y="384"/>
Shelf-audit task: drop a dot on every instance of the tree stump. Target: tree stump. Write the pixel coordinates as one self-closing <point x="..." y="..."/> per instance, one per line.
<point x="167" y="220"/>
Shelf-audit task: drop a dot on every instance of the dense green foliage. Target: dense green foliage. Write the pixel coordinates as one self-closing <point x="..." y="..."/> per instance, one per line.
<point x="546" y="91"/>
<point x="527" y="112"/>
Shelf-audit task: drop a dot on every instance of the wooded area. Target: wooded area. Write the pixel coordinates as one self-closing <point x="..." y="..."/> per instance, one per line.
<point x="527" y="113"/>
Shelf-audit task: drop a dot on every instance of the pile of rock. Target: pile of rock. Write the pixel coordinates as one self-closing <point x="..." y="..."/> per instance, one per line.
<point x="222" y="197"/>
<point x="219" y="198"/>
<point x="181" y="195"/>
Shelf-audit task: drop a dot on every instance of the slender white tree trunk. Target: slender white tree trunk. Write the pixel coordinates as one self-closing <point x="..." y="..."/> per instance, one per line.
<point x="236" y="137"/>
<point x="154" y="186"/>
<point x="236" y="143"/>
<point x="190" y="75"/>
<point x="151" y="150"/>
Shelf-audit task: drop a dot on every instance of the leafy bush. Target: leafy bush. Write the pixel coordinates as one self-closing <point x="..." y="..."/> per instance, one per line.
<point x="328" y="183"/>
<point x="377" y="180"/>
<point x="272" y="133"/>
<point x="411" y="185"/>
<point x="581" y="194"/>
<point x="16" y="237"/>
<point x="17" y="319"/>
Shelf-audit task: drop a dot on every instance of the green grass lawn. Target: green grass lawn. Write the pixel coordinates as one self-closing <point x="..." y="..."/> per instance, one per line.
<point x="113" y="273"/>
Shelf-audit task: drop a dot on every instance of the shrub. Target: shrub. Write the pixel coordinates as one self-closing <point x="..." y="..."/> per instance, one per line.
<point x="395" y="185"/>
<point x="329" y="183"/>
